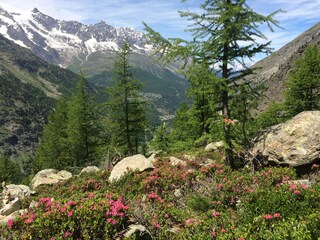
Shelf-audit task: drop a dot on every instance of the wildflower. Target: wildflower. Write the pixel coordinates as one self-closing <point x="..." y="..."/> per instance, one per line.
<point x="315" y="166"/>
<point x="10" y="223"/>
<point x="189" y="221"/>
<point x="216" y="214"/>
<point x="223" y="230"/>
<point x="166" y="216"/>
<point x="267" y="216"/>
<point x="91" y="195"/>
<point x="70" y="213"/>
<point x="276" y="215"/>
<point x="213" y="233"/>
<point x="67" y="234"/>
<point x="296" y="192"/>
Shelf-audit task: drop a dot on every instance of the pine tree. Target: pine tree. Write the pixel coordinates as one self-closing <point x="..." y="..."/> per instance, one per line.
<point x="53" y="147"/>
<point x="126" y="108"/>
<point x="83" y="127"/>
<point x="225" y="32"/>
<point x="303" y="84"/>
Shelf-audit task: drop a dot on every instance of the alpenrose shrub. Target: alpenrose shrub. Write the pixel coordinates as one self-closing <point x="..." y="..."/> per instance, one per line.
<point x="94" y="217"/>
<point x="192" y="201"/>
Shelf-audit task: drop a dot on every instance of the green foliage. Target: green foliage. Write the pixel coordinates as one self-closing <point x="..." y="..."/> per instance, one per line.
<point x="217" y="31"/>
<point x="161" y="139"/>
<point x="303" y="84"/>
<point x="9" y="171"/>
<point x="126" y="109"/>
<point x="214" y="203"/>
<point x="71" y="137"/>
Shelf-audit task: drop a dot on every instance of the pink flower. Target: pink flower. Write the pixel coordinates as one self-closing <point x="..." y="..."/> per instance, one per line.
<point x="223" y="230"/>
<point x="296" y="192"/>
<point x="166" y="216"/>
<point x="189" y="221"/>
<point x="213" y="233"/>
<point x="315" y="166"/>
<point x="52" y="238"/>
<point x="241" y="239"/>
<point x="70" y="213"/>
<point x="276" y="215"/>
<point x="67" y="234"/>
<point x="10" y="223"/>
<point x="91" y="195"/>
<point x="267" y="216"/>
<point x="216" y="214"/>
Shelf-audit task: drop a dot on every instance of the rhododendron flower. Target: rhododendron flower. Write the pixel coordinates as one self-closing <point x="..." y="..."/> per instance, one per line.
<point x="213" y="233"/>
<point x="223" y="230"/>
<point x="189" y="221"/>
<point x="296" y="192"/>
<point x="67" y="234"/>
<point x="166" y="216"/>
<point x="91" y="195"/>
<point x="10" y="223"/>
<point x="276" y="215"/>
<point x="267" y="216"/>
<point x="70" y="213"/>
<point x="216" y="214"/>
<point x="315" y="166"/>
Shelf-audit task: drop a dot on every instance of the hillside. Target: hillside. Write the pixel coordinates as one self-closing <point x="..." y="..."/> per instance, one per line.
<point x="273" y="70"/>
<point x="91" y="49"/>
<point x="28" y="89"/>
<point x="195" y="199"/>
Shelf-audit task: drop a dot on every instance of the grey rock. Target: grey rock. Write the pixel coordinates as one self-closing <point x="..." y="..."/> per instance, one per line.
<point x="136" y="162"/>
<point x="10" y="207"/>
<point x="48" y="177"/>
<point x="177" y="193"/>
<point x="293" y="143"/>
<point x="214" y="146"/>
<point x="175" y="161"/>
<point x="139" y="232"/>
<point x="90" y="169"/>
<point x="17" y="191"/>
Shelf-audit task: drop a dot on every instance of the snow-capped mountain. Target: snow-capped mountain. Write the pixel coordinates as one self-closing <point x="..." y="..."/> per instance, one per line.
<point x="58" y="41"/>
<point x="91" y="49"/>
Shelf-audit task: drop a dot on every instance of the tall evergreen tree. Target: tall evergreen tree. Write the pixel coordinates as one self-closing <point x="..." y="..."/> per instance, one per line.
<point x="53" y="147"/>
<point x="303" y="84"/>
<point x="127" y="109"/>
<point x="225" y="32"/>
<point x="83" y="127"/>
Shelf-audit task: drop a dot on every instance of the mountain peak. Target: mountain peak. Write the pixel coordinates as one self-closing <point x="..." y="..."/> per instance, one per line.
<point x="35" y="10"/>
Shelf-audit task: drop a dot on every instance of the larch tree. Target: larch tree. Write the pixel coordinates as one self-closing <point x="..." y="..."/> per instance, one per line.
<point x="126" y="108"/>
<point x="83" y="127"/>
<point x="225" y="33"/>
<point x="303" y="84"/>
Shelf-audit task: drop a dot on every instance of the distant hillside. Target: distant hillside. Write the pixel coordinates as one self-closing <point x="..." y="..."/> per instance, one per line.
<point x="92" y="49"/>
<point x="28" y="89"/>
<point x="273" y="70"/>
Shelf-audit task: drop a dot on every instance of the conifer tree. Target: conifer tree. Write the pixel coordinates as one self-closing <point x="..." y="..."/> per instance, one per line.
<point x="303" y="84"/>
<point x="225" y="33"/>
<point x="82" y="127"/>
<point x="53" y="147"/>
<point x="126" y="108"/>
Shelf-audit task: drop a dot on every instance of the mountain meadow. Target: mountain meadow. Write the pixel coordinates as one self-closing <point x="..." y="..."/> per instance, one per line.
<point x="110" y="133"/>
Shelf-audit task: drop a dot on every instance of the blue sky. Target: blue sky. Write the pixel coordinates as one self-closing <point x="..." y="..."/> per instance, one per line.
<point x="162" y="15"/>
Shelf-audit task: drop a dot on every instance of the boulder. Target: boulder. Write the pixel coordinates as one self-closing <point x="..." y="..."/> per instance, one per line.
<point x="214" y="146"/>
<point x="138" y="232"/>
<point x="10" y="207"/>
<point x="17" y="191"/>
<point x="136" y="162"/>
<point x="16" y="214"/>
<point x="293" y="143"/>
<point x="175" y="161"/>
<point x="48" y="177"/>
<point x="90" y="169"/>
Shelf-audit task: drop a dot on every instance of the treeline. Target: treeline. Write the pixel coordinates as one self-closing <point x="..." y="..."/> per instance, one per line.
<point x="222" y="101"/>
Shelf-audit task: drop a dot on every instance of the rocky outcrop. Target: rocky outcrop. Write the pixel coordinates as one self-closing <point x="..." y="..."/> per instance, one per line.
<point x="138" y="232"/>
<point x="17" y="191"/>
<point x="49" y="176"/>
<point x="293" y="143"/>
<point x="10" y="207"/>
<point x="214" y="146"/>
<point x="176" y="161"/>
<point x="136" y="162"/>
<point x="90" y="169"/>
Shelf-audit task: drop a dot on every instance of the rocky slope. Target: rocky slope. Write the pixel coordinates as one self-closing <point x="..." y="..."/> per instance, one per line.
<point x="92" y="49"/>
<point x="28" y="89"/>
<point x="273" y="70"/>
